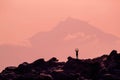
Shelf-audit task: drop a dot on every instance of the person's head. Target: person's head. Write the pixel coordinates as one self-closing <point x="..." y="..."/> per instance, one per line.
<point x="76" y="50"/>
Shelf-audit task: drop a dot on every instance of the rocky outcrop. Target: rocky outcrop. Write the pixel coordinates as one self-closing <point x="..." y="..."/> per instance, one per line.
<point x="106" y="67"/>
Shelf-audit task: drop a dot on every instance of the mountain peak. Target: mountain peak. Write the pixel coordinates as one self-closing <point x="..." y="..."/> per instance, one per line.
<point x="68" y="19"/>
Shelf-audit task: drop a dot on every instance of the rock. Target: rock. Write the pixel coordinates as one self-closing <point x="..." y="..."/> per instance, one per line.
<point x="39" y="62"/>
<point x="110" y="77"/>
<point x="45" y="77"/>
<point x="9" y="69"/>
<point x="53" y="60"/>
<point x="106" y="67"/>
<point x="23" y="68"/>
<point x="112" y="55"/>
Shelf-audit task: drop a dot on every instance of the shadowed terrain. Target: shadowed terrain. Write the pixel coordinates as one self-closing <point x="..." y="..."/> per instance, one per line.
<point x="105" y="67"/>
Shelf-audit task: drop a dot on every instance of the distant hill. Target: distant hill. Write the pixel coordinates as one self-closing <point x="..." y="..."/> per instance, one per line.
<point x="106" y="67"/>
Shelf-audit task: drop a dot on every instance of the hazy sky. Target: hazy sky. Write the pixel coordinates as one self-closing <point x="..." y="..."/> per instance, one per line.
<point x="20" y="19"/>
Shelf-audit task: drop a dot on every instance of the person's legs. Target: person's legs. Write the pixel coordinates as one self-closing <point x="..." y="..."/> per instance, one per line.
<point x="76" y="55"/>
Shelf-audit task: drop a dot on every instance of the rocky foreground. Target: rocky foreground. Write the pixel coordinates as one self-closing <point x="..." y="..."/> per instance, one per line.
<point x="106" y="67"/>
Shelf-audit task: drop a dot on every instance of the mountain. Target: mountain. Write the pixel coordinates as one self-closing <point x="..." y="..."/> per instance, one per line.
<point x="73" y="33"/>
<point x="61" y="42"/>
<point x="105" y="67"/>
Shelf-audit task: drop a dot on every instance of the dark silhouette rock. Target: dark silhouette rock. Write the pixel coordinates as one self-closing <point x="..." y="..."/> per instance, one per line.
<point x="69" y="58"/>
<point x="38" y="62"/>
<point x="9" y="69"/>
<point x="45" y="77"/>
<point x="23" y="68"/>
<point x="53" y="59"/>
<point x="112" y="55"/>
<point x="106" y="67"/>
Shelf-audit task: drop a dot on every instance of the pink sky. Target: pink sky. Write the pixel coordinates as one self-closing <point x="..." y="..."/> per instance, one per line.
<point x="20" y="19"/>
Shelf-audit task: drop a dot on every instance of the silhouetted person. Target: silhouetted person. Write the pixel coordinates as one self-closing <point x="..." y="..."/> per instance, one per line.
<point x="76" y="50"/>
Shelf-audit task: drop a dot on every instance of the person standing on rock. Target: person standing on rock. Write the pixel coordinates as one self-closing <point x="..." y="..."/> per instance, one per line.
<point x="76" y="50"/>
